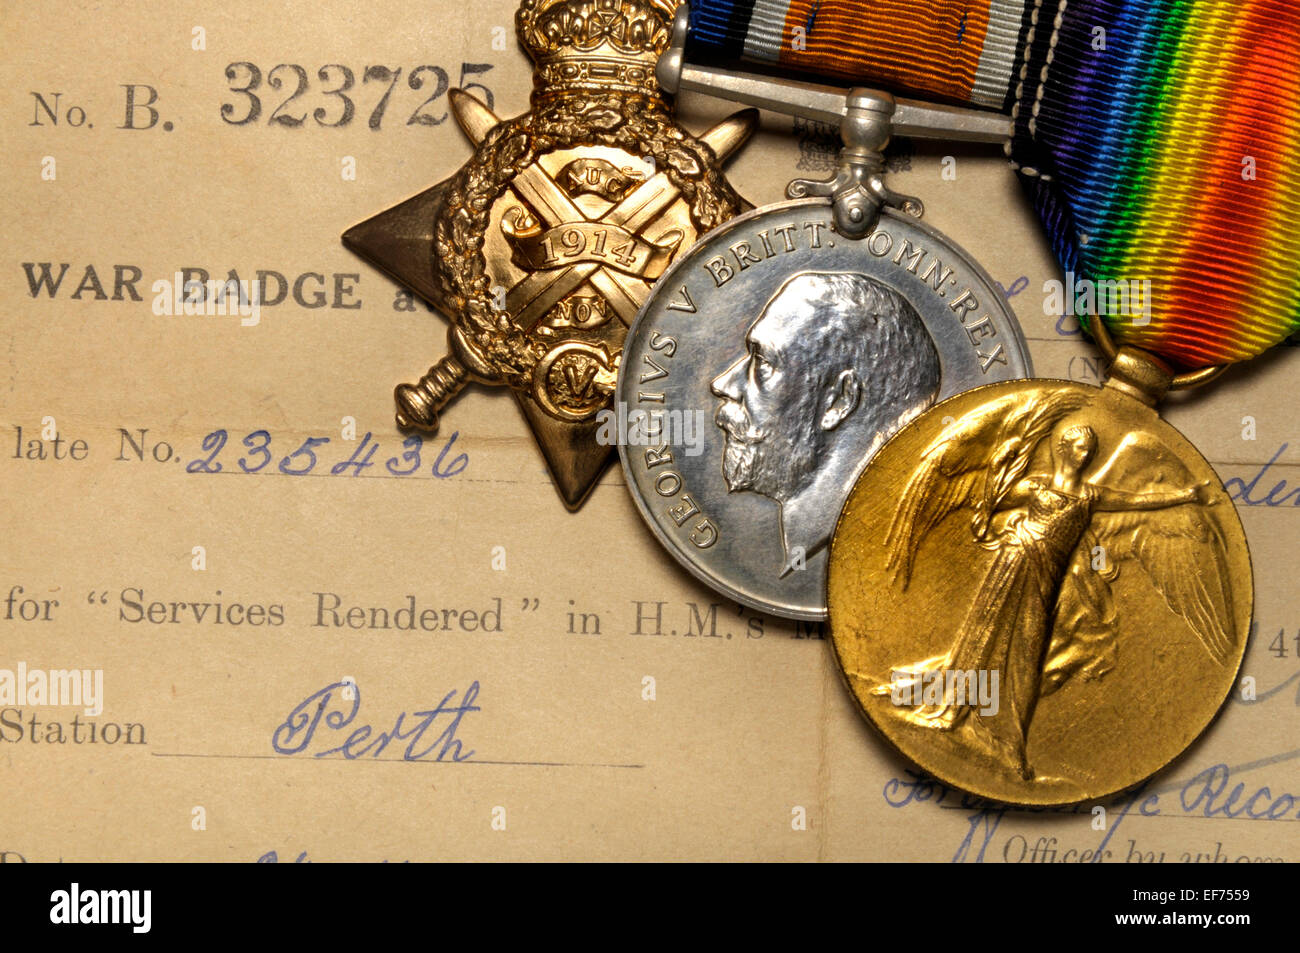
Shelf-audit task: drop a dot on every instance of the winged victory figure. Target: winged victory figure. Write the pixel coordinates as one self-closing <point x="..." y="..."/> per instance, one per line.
<point x="1043" y="612"/>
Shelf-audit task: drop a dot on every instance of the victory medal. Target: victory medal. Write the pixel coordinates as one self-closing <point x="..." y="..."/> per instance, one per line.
<point x="1047" y="598"/>
<point x="542" y="247"/>
<point x="1039" y="591"/>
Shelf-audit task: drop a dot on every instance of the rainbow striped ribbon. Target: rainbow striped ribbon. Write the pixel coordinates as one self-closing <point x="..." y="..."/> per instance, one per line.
<point x="1160" y="139"/>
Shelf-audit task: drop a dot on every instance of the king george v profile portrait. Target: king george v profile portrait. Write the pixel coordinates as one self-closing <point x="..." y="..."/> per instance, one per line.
<point x="833" y="366"/>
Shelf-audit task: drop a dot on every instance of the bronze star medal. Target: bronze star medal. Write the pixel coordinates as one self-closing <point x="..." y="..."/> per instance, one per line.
<point x="543" y="246"/>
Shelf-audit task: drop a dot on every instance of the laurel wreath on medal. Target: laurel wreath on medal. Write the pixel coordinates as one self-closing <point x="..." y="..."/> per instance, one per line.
<point x="633" y="124"/>
<point x="553" y="31"/>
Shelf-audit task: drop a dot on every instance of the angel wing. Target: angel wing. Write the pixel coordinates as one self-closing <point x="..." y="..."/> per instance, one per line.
<point x="1180" y="549"/>
<point x="975" y="462"/>
<point x="1183" y="553"/>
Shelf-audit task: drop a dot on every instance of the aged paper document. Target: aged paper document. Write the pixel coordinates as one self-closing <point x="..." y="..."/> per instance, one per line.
<point x="224" y="573"/>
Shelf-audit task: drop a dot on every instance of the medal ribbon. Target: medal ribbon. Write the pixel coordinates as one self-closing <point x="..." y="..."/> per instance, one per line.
<point x="1160" y="139"/>
<point x="947" y="49"/>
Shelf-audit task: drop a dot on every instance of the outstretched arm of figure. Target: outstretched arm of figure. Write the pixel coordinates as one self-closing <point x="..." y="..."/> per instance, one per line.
<point x="1110" y="499"/>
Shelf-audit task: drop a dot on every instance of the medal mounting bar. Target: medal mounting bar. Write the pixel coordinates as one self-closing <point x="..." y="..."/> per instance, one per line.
<point x="867" y="120"/>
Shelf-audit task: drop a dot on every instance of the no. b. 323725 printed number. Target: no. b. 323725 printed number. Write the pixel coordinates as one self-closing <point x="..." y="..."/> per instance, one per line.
<point x="336" y="94"/>
<point x="257" y="457"/>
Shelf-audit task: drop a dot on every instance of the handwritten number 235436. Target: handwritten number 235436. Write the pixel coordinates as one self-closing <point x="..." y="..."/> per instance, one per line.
<point x="337" y="90"/>
<point x="303" y="460"/>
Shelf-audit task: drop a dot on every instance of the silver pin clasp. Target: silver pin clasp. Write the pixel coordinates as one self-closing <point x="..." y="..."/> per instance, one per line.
<point x="858" y="189"/>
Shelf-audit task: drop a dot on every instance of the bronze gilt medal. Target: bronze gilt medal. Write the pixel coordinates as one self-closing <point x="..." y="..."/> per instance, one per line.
<point x="1040" y="591"/>
<point x="543" y="246"/>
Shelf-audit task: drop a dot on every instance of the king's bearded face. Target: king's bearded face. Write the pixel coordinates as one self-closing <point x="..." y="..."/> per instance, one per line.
<point x="768" y="410"/>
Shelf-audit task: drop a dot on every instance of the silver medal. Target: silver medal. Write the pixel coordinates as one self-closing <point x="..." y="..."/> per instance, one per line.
<point x="768" y="366"/>
<point x="771" y="361"/>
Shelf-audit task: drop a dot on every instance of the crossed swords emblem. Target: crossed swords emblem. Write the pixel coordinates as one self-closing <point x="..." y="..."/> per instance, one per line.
<point x="533" y="297"/>
<point x="563" y="242"/>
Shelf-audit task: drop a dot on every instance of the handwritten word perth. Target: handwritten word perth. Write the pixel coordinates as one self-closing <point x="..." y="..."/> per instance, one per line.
<point x="75" y="905"/>
<point x="313" y="723"/>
